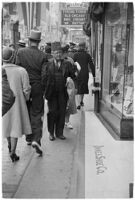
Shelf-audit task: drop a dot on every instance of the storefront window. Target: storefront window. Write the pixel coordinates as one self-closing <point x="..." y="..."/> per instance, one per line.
<point x="118" y="68"/>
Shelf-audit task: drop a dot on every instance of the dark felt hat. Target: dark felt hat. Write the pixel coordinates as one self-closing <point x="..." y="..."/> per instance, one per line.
<point x="7" y="54"/>
<point x="65" y="48"/>
<point x="72" y="43"/>
<point x="35" y="35"/>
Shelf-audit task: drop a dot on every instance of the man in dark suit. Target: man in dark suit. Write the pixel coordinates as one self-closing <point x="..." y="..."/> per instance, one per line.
<point x="57" y="71"/>
<point x="33" y="60"/>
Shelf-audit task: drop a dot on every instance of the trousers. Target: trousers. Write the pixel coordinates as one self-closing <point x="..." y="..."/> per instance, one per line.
<point x="36" y="111"/>
<point x="56" y="115"/>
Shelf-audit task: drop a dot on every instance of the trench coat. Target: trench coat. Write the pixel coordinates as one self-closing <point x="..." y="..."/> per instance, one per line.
<point x="84" y="60"/>
<point x="16" y="121"/>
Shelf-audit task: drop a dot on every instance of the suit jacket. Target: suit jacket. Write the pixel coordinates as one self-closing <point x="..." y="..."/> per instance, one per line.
<point x="33" y="60"/>
<point x="50" y="73"/>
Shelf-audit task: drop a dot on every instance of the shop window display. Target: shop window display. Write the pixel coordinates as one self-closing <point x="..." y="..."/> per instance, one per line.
<point x="120" y="87"/>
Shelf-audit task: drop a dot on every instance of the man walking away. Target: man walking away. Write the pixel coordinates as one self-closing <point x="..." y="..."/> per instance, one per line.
<point x="33" y="60"/>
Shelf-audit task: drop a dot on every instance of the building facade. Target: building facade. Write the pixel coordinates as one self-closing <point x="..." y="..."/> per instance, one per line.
<point x="111" y="41"/>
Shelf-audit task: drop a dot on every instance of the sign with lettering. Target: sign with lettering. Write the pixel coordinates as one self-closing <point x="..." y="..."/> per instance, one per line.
<point x="73" y="17"/>
<point x="83" y="5"/>
<point x="77" y="5"/>
<point x="100" y="158"/>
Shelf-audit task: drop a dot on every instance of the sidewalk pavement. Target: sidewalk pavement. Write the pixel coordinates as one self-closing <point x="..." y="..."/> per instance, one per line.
<point x="108" y="162"/>
<point x="51" y="176"/>
<point x="14" y="173"/>
<point x="89" y="164"/>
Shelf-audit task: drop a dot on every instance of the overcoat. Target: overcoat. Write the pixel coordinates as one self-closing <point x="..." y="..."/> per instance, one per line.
<point x="8" y="97"/>
<point x="16" y="121"/>
<point x="83" y="58"/>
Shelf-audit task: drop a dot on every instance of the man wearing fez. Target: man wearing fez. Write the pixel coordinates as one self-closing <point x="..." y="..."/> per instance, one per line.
<point x="55" y="78"/>
<point x="33" y="60"/>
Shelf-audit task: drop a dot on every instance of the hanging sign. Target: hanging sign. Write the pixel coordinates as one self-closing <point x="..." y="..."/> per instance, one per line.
<point x="73" y="16"/>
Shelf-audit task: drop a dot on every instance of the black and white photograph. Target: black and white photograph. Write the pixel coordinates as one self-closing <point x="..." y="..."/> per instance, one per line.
<point x="67" y="99"/>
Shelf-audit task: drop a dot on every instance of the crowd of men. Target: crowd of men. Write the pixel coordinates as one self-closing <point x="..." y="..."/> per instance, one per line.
<point x="55" y="73"/>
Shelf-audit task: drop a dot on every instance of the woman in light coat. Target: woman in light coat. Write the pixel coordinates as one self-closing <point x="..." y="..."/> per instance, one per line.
<point x="16" y="121"/>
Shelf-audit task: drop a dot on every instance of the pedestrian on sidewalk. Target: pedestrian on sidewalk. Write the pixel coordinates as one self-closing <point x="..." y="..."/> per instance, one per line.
<point x="71" y="90"/>
<point x="72" y="50"/>
<point x="48" y="52"/>
<point x="84" y="59"/>
<point x="20" y="44"/>
<point x="55" y="77"/>
<point x="34" y="60"/>
<point x="16" y="121"/>
<point x="8" y="97"/>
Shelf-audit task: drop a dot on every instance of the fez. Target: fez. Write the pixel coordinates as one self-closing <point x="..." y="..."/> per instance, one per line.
<point x="56" y="46"/>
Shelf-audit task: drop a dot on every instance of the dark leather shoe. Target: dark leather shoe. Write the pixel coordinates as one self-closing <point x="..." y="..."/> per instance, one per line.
<point x="51" y="137"/>
<point x="78" y="107"/>
<point x="37" y="148"/>
<point x="62" y="137"/>
<point x="14" y="157"/>
<point x="81" y="103"/>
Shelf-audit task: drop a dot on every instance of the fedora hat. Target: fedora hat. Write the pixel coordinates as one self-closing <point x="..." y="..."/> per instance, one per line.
<point x="35" y="35"/>
<point x="7" y="54"/>
<point x="21" y="43"/>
